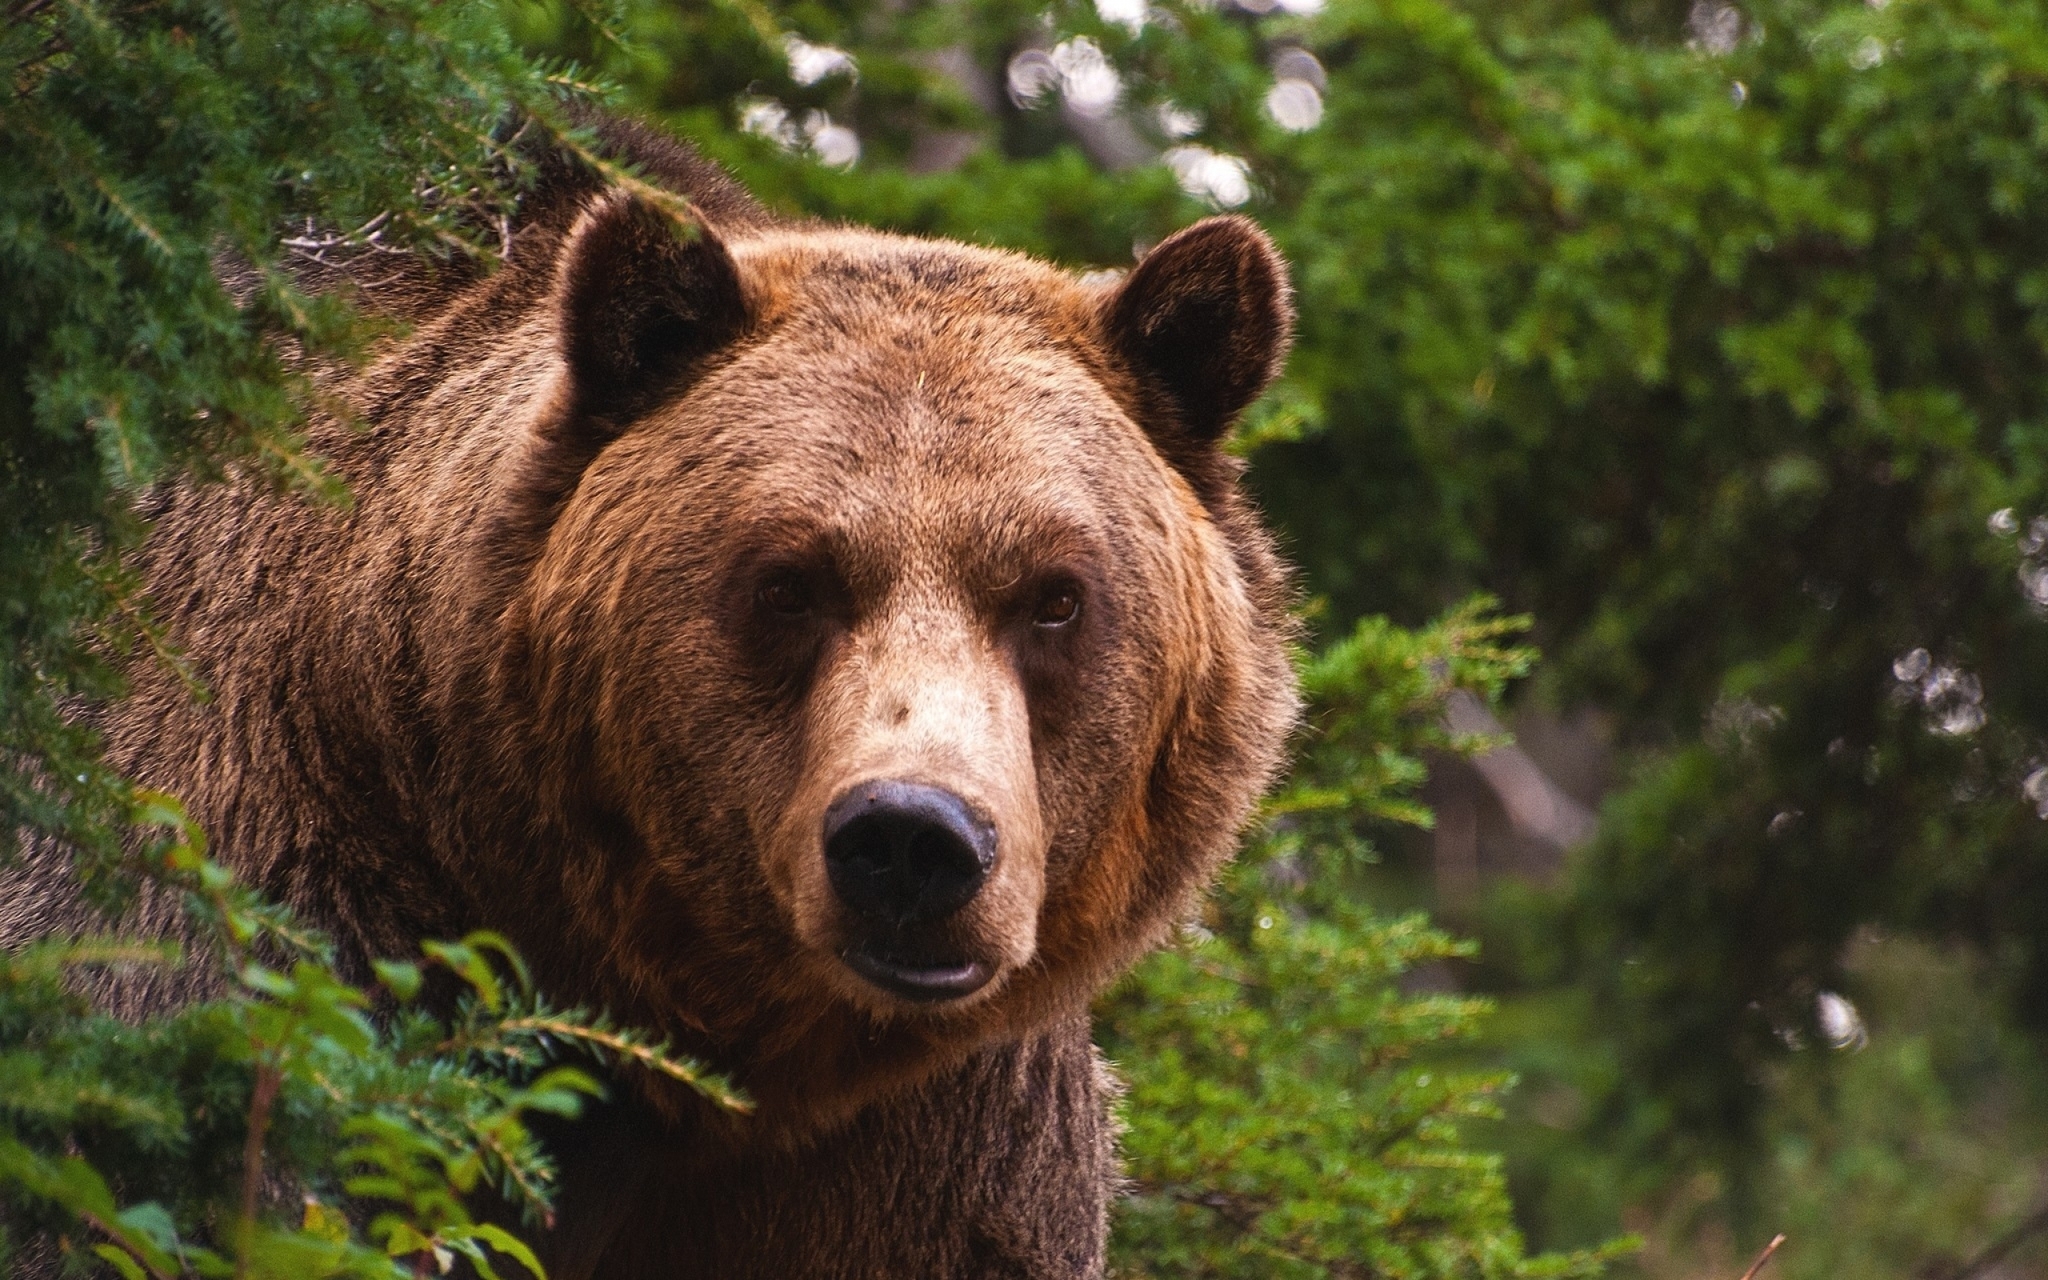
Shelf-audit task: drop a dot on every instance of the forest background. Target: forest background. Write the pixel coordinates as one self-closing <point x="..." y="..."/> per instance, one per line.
<point x="1708" y="338"/>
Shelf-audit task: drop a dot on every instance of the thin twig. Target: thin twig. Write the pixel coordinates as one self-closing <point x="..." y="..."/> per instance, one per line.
<point x="268" y="1081"/>
<point x="1764" y="1257"/>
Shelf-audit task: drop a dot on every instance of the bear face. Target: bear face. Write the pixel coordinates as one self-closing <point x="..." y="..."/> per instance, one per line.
<point x="890" y="628"/>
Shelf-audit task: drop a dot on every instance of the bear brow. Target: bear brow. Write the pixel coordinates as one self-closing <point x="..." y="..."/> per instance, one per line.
<point x="1032" y="546"/>
<point x="927" y="279"/>
<point x="788" y="536"/>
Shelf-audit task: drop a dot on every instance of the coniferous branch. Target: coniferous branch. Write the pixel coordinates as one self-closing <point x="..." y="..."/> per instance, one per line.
<point x="607" y="1042"/>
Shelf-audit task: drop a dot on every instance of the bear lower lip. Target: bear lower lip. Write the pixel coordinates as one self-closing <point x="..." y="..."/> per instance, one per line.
<point x="923" y="983"/>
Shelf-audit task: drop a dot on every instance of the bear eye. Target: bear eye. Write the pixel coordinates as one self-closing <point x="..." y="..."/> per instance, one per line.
<point x="786" y="596"/>
<point x="1058" y="607"/>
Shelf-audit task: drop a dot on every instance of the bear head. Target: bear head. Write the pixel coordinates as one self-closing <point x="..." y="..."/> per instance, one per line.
<point x="888" y="629"/>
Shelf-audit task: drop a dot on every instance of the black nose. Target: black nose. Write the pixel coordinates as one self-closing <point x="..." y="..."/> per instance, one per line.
<point x="906" y="854"/>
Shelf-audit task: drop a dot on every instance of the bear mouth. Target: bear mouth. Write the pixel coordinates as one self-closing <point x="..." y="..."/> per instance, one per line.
<point x="919" y="981"/>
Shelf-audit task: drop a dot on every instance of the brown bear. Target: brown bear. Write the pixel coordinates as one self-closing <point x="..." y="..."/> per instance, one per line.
<point x="839" y="652"/>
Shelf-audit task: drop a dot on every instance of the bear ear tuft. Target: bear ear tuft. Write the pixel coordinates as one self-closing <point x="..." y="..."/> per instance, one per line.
<point x="645" y="298"/>
<point x="1208" y="316"/>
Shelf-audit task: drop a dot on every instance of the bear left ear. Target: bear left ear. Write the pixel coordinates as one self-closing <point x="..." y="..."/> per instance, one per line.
<point x="645" y="297"/>
<point x="1208" y="315"/>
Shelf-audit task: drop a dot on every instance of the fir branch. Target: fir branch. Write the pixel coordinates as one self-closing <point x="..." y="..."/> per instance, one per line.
<point x="133" y="216"/>
<point x="651" y="1057"/>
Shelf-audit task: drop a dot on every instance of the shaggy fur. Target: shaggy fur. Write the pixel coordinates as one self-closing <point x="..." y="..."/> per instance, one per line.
<point x="662" y="537"/>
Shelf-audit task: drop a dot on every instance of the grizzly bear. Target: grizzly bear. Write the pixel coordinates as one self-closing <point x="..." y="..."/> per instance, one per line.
<point x="839" y="652"/>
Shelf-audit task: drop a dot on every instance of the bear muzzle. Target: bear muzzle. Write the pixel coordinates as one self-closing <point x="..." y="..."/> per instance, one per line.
<point x="904" y="858"/>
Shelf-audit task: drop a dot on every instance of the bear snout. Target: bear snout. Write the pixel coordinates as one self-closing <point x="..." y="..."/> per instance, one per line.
<point x="905" y="854"/>
<point x="903" y="858"/>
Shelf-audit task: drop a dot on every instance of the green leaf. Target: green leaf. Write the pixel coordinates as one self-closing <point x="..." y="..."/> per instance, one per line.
<point x="121" y="1261"/>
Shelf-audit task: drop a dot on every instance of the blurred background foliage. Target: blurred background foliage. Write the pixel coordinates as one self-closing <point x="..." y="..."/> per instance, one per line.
<point x="1707" y="335"/>
<point x="1710" y="335"/>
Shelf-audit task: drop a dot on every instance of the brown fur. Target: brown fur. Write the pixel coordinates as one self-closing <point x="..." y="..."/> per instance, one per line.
<point x="526" y="680"/>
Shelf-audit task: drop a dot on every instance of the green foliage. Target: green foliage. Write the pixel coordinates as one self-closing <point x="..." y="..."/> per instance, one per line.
<point x="149" y="146"/>
<point x="1719" y="363"/>
<point x="1288" y="1114"/>
<point x="1893" y="1155"/>
<point x="159" y="1147"/>
<point x="1903" y="1150"/>
<point x="1725" y="361"/>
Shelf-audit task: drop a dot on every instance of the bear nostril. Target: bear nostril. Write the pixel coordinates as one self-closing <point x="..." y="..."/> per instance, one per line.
<point x="906" y="854"/>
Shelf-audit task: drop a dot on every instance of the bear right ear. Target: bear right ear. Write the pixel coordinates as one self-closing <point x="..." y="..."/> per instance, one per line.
<point x="645" y="298"/>
<point x="1207" y="318"/>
